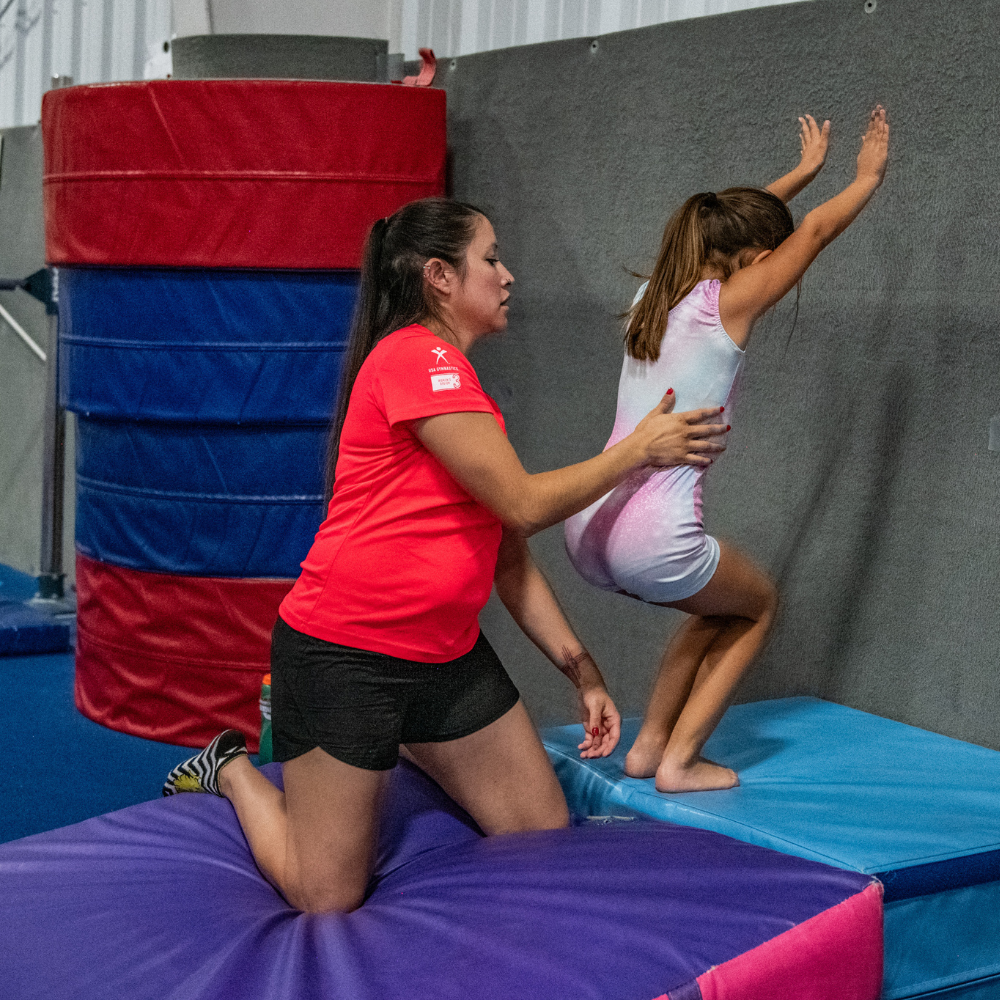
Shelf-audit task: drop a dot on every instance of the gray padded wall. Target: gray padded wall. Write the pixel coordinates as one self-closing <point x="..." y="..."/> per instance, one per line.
<point x="22" y="374"/>
<point x="858" y="470"/>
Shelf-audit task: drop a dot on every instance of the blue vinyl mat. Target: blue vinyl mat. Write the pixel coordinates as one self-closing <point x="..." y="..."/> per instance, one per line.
<point x="822" y="781"/>
<point x="199" y="500"/>
<point x="23" y="629"/>
<point x="62" y="768"/>
<point x="204" y="346"/>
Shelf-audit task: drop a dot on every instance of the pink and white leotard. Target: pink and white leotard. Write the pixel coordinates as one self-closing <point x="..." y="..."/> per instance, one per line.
<point x="646" y="537"/>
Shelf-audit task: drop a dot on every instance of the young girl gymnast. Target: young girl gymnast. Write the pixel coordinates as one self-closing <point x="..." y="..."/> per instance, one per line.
<point x="725" y="259"/>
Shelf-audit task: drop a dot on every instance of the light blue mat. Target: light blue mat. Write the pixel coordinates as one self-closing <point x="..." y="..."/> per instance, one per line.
<point x="853" y="790"/>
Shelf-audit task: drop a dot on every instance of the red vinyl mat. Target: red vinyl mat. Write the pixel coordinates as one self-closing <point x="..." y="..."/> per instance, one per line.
<point x="233" y="173"/>
<point x="172" y="658"/>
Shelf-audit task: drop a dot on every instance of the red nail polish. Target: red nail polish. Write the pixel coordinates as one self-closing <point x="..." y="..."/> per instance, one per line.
<point x="722" y="409"/>
<point x="729" y="427"/>
<point x="670" y="392"/>
<point x="595" y="731"/>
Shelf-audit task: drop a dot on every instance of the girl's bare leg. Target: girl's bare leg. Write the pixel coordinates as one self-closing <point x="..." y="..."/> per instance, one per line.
<point x="732" y="614"/>
<point x="315" y="842"/>
<point x="674" y="680"/>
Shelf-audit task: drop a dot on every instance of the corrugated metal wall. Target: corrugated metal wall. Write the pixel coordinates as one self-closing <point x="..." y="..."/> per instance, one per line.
<point x="90" y="41"/>
<point x="86" y="41"/>
<point x="461" y="27"/>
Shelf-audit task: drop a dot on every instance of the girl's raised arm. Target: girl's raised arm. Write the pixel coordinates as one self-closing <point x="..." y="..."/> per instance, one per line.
<point x="814" y="145"/>
<point x="759" y="284"/>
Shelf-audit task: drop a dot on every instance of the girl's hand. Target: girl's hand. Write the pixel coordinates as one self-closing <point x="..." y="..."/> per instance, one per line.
<point x="874" y="153"/>
<point x="598" y="712"/>
<point x="815" y="141"/>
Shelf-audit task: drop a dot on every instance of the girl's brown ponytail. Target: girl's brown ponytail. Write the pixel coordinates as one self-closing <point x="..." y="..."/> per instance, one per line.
<point x="678" y="266"/>
<point x="707" y="228"/>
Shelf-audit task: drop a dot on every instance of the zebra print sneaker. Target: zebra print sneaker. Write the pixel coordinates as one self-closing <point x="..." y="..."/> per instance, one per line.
<point x="200" y="773"/>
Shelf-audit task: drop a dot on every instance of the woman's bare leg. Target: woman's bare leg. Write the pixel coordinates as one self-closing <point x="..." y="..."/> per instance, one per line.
<point x="500" y="775"/>
<point x="315" y="842"/>
<point x="731" y="616"/>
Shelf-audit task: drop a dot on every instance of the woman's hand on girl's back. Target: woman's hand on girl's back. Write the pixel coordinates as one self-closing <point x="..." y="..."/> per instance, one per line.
<point x="691" y="438"/>
<point x="479" y="457"/>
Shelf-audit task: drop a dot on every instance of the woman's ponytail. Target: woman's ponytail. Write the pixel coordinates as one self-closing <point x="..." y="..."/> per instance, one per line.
<point x="392" y="293"/>
<point x="707" y="228"/>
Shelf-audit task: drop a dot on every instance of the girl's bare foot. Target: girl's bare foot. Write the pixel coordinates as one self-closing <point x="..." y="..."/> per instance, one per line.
<point x="645" y="756"/>
<point x="698" y="775"/>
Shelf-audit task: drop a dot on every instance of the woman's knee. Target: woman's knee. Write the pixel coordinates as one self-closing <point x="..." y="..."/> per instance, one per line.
<point x="549" y="815"/>
<point x="556" y="815"/>
<point x="536" y="802"/>
<point x="340" y="893"/>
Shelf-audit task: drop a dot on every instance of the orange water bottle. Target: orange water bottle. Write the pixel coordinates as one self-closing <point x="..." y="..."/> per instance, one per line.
<point x="266" y="753"/>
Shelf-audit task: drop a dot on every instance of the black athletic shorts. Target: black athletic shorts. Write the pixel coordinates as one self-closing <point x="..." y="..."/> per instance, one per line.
<point x="359" y="706"/>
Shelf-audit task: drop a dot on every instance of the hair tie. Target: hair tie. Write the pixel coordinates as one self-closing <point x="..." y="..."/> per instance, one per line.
<point x="710" y="200"/>
<point x="379" y="228"/>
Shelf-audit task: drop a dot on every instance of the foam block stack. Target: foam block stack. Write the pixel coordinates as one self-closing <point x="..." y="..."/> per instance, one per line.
<point x="914" y="809"/>
<point x="208" y="235"/>
<point x="163" y="899"/>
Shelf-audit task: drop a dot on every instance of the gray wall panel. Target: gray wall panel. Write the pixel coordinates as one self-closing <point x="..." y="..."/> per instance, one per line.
<point x="858" y="470"/>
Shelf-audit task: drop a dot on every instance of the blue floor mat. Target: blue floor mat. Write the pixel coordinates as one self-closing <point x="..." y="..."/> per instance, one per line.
<point x="60" y="767"/>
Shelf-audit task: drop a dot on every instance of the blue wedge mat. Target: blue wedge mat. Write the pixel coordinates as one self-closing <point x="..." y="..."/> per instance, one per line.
<point x="202" y="501"/>
<point x="15" y="585"/>
<point x="822" y="781"/>
<point x="203" y="346"/>
<point x="22" y="628"/>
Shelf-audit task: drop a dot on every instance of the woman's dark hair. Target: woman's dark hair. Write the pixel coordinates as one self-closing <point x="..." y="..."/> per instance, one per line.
<point x="393" y="293"/>
<point x="707" y="229"/>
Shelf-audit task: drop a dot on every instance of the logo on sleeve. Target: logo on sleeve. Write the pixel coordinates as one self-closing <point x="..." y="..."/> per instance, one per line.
<point x="440" y="380"/>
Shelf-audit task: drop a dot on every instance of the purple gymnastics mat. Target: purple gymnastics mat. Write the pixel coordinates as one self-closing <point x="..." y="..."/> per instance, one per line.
<point x="163" y="900"/>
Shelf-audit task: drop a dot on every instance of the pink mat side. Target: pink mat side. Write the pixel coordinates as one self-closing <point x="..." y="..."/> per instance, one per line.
<point x="837" y="955"/>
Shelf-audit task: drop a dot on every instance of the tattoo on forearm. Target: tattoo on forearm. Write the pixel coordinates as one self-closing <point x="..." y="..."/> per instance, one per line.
<point x="570" y="665"/>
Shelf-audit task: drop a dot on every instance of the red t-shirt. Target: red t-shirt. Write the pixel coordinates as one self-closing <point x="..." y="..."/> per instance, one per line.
<point x="404" y="561"/>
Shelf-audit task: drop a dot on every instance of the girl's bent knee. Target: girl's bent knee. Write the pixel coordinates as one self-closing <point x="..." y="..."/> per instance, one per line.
<point x="765" y="598"/>
<point x="771" y="596"/>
